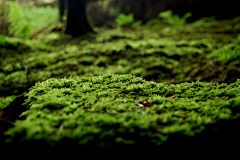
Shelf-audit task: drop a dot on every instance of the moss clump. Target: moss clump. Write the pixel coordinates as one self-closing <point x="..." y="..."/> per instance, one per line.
<point x="125" y="114"/>
<point x="228" y="54"/>
<point x="172" y="54"/>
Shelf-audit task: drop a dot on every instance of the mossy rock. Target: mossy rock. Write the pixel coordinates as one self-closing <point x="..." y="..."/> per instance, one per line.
<point x="125" y="115"/>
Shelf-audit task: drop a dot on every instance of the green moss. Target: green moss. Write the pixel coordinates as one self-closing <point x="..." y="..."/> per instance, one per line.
<point x="4" y="102"/>
<point x="238" y="82"/>
<point x="172" y="54"/>
<point x="123" y="113"/>
<point x="228" y="54"/>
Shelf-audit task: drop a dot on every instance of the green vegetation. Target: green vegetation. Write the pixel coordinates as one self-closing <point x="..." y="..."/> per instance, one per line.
<point x="229" y="53"/>
<point x="127" y="20"/>
<point x="6" y="101"/>
<point x="166" y="85"/>
<point x="123" y="19"/>
<point x="121" y="113"/>
<point x="25" y="21"/>
<point x="168" y="18"/>
<point x="164" y="17"/>
<point x="18" y="24"/>
<point x="170" y="54"/>
<point x="238" y="82"/>
<point x="38" y="17"/>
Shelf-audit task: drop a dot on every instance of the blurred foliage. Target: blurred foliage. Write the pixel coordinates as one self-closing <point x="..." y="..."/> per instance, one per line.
<point x="38" y="17"/>
<point x="238" y="82"/>
<point x="127" y="20"/>
<point x="153" y="24"/>
<point x="229" y="53"/>
<point x="4" y="102"/>
<point x="146" y="10"/>
<point x="171" y="53"/>
<point x="24" y="20"/>
<point x="19" y="26"/>
<point x="123" y="19"/>
<point x="167" y="17"/>
<point x="104" y="12"/>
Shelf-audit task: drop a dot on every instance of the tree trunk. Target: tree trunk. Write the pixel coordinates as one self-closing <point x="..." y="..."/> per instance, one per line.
<point x="61" y="4"/>
<point x="77" y="23"/>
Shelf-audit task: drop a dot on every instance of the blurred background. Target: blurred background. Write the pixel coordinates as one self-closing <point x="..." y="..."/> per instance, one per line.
<point x="171" y="41"/>
<point x="102" y="13"/>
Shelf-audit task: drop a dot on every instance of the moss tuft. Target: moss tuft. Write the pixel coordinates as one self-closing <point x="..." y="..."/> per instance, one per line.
<point x="124" y="114"/>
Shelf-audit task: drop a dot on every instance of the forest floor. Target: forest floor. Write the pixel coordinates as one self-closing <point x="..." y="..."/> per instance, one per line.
<point x="206" y="50"/>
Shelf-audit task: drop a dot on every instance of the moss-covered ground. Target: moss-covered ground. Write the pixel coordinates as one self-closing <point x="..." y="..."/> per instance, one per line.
<point x="124" y="113"/>
<point x="171" y="54"/>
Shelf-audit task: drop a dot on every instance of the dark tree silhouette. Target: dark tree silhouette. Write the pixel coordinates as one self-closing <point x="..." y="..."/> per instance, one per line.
<point x="62" y="4"/>
<point x="77" y="23"/>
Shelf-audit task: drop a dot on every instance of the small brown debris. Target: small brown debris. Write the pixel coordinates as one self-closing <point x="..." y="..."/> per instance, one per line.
<point x="174" y="96"/>
<point x="144" y="104"/>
